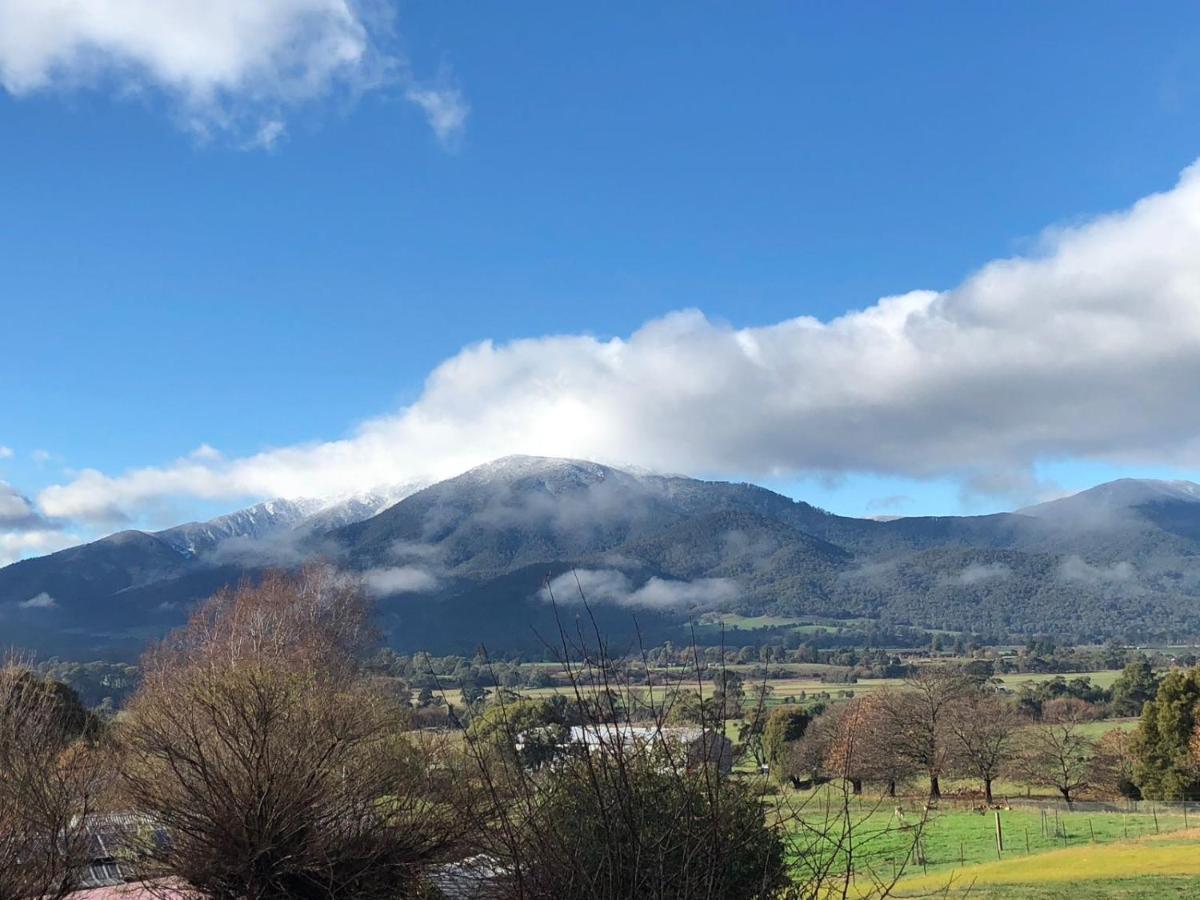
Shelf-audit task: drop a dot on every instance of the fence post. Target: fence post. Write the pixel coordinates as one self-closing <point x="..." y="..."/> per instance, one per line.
<point x="1154" y="810"/>
<point x="1092" y="831"/>
<point x="1026" y="840"/>
<point x="999" y="836"/>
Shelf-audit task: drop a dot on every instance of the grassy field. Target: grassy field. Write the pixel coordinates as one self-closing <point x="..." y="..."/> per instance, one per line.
<point x="896" y="836"/>
<point x="733" y="622"/>
<point x="1103" y="678"/>
<point x="803" y="682"/>
<point x="1149" y="868"/>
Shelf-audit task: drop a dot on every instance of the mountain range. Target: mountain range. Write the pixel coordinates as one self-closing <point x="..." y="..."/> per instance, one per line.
<point x="477" y="558"/>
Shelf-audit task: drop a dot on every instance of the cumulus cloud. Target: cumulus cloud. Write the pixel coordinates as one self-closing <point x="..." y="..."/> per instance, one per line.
<point x="40" y="601"/>
<point x="15" y="509"/>
<point x="230" y="66"/>
<point x="6" y="452"/>
<point x="1063" y="353"/>
<point x="16" y="545"/>
<point x="612" y="586"/>
<point x="399" y="580"/>
<point x="23" y="531"/>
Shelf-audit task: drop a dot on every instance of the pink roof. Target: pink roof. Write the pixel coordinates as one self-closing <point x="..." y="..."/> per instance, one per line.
<point x="135" y="891"/>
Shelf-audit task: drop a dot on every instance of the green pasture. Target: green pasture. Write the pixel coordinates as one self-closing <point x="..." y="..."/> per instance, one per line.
<point x="899" y="836"/>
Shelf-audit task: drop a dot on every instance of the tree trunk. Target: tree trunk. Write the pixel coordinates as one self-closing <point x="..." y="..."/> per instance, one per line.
<point x="935" y="789"/>
<point x="892" y="788"/>
<point x="1066" y="792"/>
<point x="856" y="785"/>
<point x="987" y="790"/>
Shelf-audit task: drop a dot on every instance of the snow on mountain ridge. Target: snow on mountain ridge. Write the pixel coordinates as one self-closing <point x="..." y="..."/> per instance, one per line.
<point x="281" y="515"/>
<point x="1116" y="497"/>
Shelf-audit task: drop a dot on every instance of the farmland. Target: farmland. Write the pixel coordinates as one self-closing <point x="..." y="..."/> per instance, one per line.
<point x="955" y="845"/>
<point x="1147" y="868"/>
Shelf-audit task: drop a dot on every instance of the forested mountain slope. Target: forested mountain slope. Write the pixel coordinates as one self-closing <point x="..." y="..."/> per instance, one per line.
<point x="465" y="560"/>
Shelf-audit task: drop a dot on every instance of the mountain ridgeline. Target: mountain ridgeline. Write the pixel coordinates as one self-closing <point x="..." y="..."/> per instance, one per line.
<point x="507" y="553"/>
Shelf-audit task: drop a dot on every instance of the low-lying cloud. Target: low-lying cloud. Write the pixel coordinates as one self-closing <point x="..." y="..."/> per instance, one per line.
<point x="400" y="580"/>
<point x="1062" y="353"/>
<point x="39" y="601"/>
<point x="977" y="573"/>
<point x="1074" y="568"/>
<point x="609" y="586"/>
<point x="229" y="67"/>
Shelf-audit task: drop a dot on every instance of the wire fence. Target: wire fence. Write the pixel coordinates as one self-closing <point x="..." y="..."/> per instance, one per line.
<point x="958" y="833"/>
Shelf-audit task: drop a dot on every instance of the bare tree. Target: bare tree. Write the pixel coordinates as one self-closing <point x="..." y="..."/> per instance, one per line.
<point x="272" y="768"/>
<point x="1056" y="752"/>
<point x="917" y="720"/>
<point x="847" y="752"/>
<point x="315" y="618"/>
<point x="48" y="783"/>
<point x="984" y="728"/>
<point x="858" y="748"/>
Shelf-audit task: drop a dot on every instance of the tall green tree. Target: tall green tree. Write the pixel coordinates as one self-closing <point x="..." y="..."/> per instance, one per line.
<point x="1164" y="769"/>
<point x="531" y="730"/>
<point x="1136" y="685"/>
<point x="784" y="726"/>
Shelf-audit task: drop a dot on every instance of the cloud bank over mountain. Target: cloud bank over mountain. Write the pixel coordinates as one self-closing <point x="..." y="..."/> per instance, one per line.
<point x="231" y="68"/>
<point x="1087" y="348"/>
<point x="23" y="531"/>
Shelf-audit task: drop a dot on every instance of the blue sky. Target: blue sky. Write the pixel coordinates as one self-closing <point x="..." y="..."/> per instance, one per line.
<point x="164" y="286"/>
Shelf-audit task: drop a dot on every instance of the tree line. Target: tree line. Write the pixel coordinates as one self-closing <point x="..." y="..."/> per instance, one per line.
<point x="947" y="721"/>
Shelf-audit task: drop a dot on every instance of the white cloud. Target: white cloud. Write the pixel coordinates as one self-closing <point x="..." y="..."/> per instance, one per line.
<point x="14" y="508"/>
<point x="206" y="452"/>
<point x="611" y="586"/>
<point x="41" y="457"/>
<point x="23" y="531"/>
<point x="661" y="592"/>
<point x="445" y="109"/>
<point x="1088" y="349"/>
<point x="6" y="452"/>
<point x="41" y="601"/>
<point x="15" y="545"/>
<point x="231" y="67"/>
<point x="977" y="573"/>
<point x="1074" y="568"/>
<point x="399" y="580"/>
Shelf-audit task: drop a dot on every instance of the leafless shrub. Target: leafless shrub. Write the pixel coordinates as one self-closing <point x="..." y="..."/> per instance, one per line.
<point x="49" y="780"/>
<point x="636" y="807"/>
<point x="270" y="768"/>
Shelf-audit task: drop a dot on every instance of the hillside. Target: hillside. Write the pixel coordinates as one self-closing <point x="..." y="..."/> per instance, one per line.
<point x="465" y="559"/>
